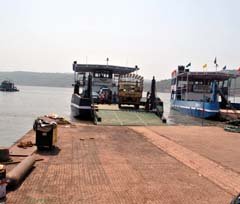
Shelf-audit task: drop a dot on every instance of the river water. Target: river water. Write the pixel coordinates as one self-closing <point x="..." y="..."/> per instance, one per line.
<point x="18" y="110"/>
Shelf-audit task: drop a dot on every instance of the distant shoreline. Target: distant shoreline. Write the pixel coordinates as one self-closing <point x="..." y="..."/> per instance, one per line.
<point x="65" y="80"/>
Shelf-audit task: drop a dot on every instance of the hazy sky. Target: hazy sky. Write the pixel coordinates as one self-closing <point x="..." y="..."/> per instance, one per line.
<point x="156" y="35"/>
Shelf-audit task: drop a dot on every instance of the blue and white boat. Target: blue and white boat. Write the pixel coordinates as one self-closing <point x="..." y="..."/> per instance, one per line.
<point x="199" y="94"/>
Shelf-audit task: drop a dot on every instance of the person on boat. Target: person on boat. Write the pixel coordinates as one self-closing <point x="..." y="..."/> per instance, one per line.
<point x="76" y="88"/>
<point x="106" y="97"/>
<point x="101" y="98"/>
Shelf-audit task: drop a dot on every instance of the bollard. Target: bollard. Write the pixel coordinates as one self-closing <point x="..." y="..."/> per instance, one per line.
<point x="4" y="154"/>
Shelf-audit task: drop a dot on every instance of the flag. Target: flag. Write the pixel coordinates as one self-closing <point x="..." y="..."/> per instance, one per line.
<point x="204" y="66"/>
<point x="189" y="64"/>
<point x="225" y="67"/>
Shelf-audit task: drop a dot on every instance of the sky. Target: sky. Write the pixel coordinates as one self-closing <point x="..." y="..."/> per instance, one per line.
<point x="156" y="35"/>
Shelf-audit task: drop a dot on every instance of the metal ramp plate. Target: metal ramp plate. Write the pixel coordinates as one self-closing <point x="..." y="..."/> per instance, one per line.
<point x="128" y="118"/>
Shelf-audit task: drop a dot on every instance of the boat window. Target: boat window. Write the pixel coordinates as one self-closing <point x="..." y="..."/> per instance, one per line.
<point x="102" y="74"/>
<point x="220" y="83"/>
<point x="96" y="75"/>
<point x="81" y="79"/>
<point x="225" y="83"/>
<point x="200" y="88"/>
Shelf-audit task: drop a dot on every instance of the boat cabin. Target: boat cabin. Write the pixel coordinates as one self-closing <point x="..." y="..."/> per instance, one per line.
<point x="103" y="76"/>
<point x="200" y="86"/>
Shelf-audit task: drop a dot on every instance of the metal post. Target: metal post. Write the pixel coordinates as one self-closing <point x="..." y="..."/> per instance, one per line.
<point x="235" y="84"/>
<point x="203" y="107"/>
<point x="181" y="86"/>
<point x="187" y="89"/>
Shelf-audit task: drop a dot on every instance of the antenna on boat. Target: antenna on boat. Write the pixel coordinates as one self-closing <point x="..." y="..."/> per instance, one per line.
<point x="215" y="62"/>
<point x="107" y="60"/>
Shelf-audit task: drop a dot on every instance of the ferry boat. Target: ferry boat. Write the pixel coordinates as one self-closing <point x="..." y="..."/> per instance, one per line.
<point x="107" y="84"/>
<point x="91" y="79"/>
<point x="199" y="94"/>
<point x="8" y="86"/>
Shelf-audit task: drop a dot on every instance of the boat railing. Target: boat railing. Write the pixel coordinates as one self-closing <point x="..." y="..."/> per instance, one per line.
<point x="195" y="89"/>
<point x="206" y="73"/>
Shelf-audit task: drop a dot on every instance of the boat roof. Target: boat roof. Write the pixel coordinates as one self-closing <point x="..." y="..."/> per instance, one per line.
<point x="219" y="76"/>
<point x="98" y="67"/>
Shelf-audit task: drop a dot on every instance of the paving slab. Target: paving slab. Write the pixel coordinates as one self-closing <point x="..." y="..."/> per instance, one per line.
<point x="211" y="142"/>
<point x="224" y="177"/>
<point x="102" y="164"/>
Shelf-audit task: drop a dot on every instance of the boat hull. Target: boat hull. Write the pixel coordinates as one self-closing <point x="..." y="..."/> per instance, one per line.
<point x="81" y="107"/>
<point x="9" y="90"/>
<point x="196" y="108"/>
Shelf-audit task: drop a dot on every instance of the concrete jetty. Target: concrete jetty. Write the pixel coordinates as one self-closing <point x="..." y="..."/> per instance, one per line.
<point x="137" y="164"/>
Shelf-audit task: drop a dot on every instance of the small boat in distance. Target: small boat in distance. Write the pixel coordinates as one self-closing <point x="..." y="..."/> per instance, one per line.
<point x="8" y="86"/>
<point x="200" y="94"/>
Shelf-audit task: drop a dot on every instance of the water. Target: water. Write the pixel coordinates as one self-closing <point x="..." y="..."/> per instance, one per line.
<point x="18" y="110"/>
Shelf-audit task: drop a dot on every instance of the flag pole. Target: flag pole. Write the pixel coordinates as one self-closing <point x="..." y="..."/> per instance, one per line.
<point x="215" y="62"/>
